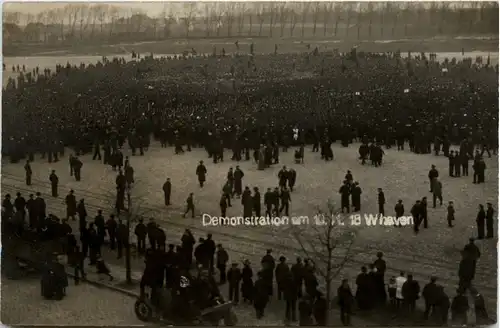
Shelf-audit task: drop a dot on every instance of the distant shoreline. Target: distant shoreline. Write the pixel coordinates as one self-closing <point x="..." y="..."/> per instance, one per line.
<point x="262" y="45"/>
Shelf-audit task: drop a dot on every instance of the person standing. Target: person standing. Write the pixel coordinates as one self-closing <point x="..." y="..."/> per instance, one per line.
<point x="54" y="181"/>
<point x="141" y="233"/>
<point x="167" y="190"/>
<point x="381" y="202"/>
<point x="201" y="172"/>
<point x="490" y="212"/>
<point x="433" y="173"/>
<point x="71" y="205"/>
<point x="345" y="302"/>
<point x="222" y="259"/>
<point x="437" y="192"/>
<point x="29" y="172"/>
<point x="234" y="279"/>
<point x="480" y="221"/>
<point x="450" y="217"/>
<point x="189" y="206"/>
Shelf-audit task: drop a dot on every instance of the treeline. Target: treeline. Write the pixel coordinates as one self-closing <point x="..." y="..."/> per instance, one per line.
<point x="368" y="20"/>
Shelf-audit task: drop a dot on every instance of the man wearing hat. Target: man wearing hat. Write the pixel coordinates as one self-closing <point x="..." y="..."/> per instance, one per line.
<point x="234" y="278"/>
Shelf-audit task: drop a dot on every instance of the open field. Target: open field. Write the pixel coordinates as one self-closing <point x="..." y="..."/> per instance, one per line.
<point x="262" y="45"/>
<point x="434" y="251"/>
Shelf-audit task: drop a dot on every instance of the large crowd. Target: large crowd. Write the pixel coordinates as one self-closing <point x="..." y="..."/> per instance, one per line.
<point x="251" y="98"/>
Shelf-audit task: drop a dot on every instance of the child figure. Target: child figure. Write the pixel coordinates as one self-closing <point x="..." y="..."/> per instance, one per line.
<point x="102" y="269"/>
<point x="391" y="289"/>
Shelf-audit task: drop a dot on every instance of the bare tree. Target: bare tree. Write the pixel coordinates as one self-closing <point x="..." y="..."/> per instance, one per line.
<point x="85" y="14"/>
<point x="443" y="9"/>
<point x="261" y="16"/>
<point x="350" y="13"/>
<point x="72" y="11"/>
<point x="338" y="15"/>
<point x="294" y="19"/>
<point x="218" y="16"/>
<point x="305" y="12"/>
<point x="359" y="19"/>
<point x="327" y="12"/>
<point x="271" y="8"/>
<point x="283" y="17"/>
<point x="114" y="14"/>
<point x="207" y="19"/>
<point x="316" y="10"/>
<point x="328" y="244"/>
<point x="241" y="17"/>
<point x="190" y="10"/>
<point x="396" y="13"/>
<point x="229" y="17"/>
<point x="101" y="12"/>
<point x="371" y="13"/>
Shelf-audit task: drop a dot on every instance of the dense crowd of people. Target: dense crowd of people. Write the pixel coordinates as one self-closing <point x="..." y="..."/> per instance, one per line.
<point x="245" y="101"/>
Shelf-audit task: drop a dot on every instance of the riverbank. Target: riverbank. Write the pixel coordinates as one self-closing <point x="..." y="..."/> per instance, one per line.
<point x="261" y="45"/>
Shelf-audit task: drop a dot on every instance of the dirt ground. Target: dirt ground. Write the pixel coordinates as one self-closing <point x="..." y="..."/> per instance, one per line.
<point x="262" y="45"/>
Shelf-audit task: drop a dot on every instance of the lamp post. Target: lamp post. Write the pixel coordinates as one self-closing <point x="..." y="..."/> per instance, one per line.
<point x="128" y="266"/>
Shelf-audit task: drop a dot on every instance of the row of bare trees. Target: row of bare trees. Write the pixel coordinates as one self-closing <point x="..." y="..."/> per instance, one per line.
<point x="78" y="22"/>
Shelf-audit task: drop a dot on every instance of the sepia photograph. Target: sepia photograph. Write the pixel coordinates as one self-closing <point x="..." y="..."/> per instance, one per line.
<point x="240" y="163"/>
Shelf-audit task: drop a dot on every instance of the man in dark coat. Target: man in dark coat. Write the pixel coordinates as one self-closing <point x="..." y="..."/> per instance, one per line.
<point x="305" y="311"/>
<point x="167" y="190"/>
<point x="291" y="295"/>
<point x="29" y="172"/>
<point x="112" y="227"/>
<point x="40" y="208"/>
<point x="430" y="293"/>
<point x="298" y="273"/>
<point x="238" y="184"/>
<point x="480" y="222"/>
<point x="201" y="172"/>
<point x="459" y="308"/>
<point x="344" y="192"/>
<point x="490" y="212"/>
<point x="261" y="295"/>
<point x="141" y="233"/>
<point x="410" y="292"/>
<point x="77" y="168"/>
<point x="222" y="259"/>
<point x="256" y="201"/>
<point x="268" y="265"/>
<point x="292" y="178"/>
<point x="345" y="302"/>
<point x="320" y="310"/>
<point x="54" y="181"/>
<point x="285" y="201"/>
<point x="70" y="205"/>
<point x="234" y="279"/>
<point x="281" y="272"/>
<point x="381" y="202"/>
<point x="189" y="206"/>
<point x="356" y="196"/>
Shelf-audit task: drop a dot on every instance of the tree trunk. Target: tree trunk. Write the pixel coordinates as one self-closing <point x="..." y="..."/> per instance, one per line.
<point x="329" y="279"/>
<point x="260" y="28"/>
<point x="271" y="25"/>
<point x="250" y="24"/>
<point x="336" y="27"/>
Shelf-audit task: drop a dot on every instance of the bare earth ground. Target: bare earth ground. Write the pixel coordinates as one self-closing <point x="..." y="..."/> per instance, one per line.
<point x="435" y="251"/>
<point x="262" y="45"/>
<point x="84" y="304"/>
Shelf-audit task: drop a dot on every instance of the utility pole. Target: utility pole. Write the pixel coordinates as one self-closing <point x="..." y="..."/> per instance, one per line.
<point x="127" y="246"/>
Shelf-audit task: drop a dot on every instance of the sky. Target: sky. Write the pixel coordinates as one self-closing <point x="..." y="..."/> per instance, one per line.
<point x="151" y="8"/>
